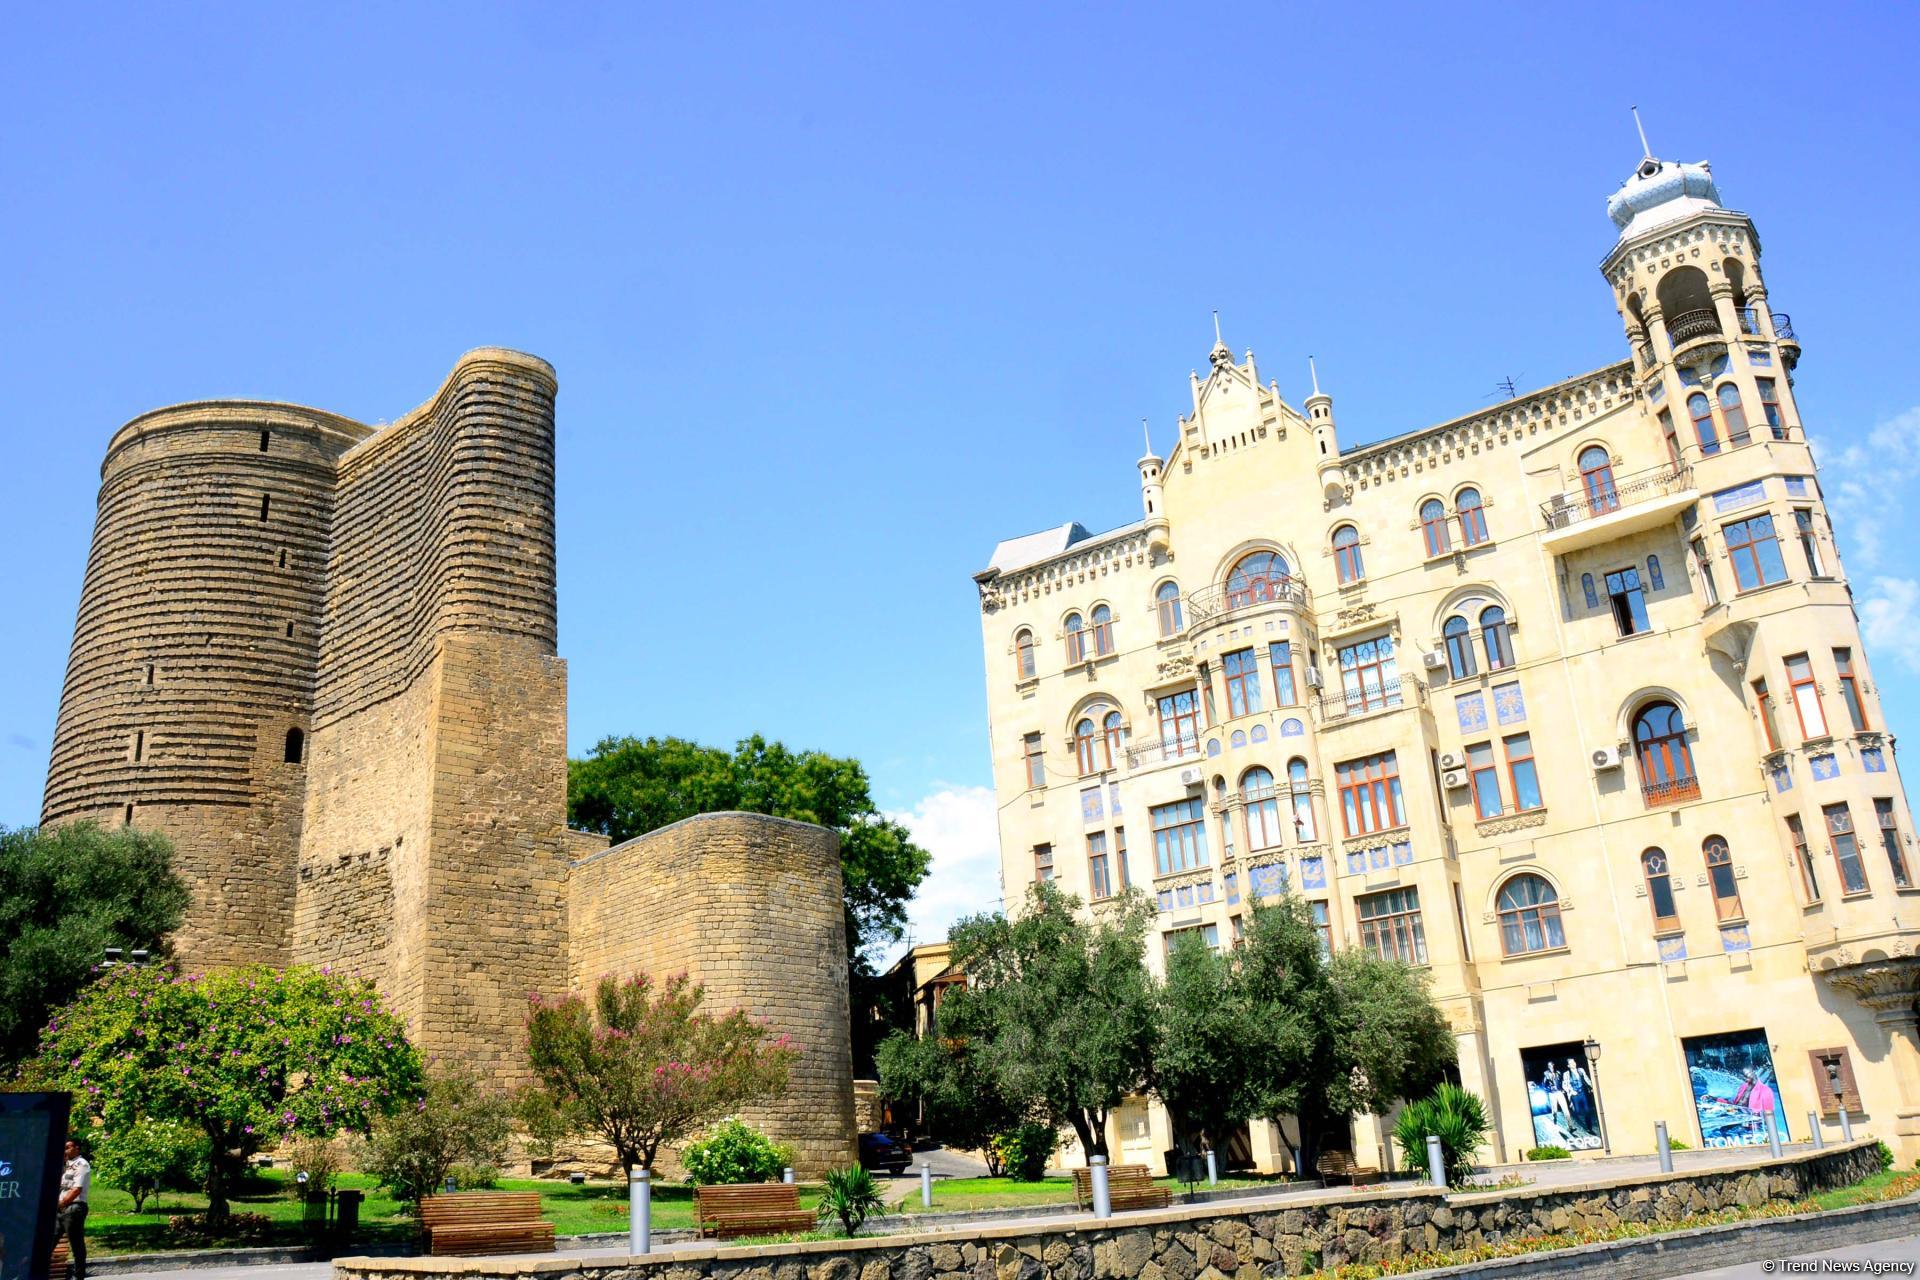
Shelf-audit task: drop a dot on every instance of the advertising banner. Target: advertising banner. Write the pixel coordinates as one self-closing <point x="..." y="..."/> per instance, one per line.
<point x="1562" y="1095"/>
<point x="1734" y="1088"/>
<point x="33" y="1132"/>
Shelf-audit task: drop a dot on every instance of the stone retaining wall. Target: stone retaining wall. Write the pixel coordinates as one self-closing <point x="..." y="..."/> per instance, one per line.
<point x="1199" y="1242"/>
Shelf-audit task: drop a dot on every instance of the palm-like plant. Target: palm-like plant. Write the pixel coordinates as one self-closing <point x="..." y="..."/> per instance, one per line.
<point x="1454" y="1115"/>
<point x="852" y="1196"/>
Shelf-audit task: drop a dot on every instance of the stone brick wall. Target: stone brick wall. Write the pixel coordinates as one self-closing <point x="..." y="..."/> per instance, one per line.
<point x="1199" y="1242"/>
<point x="750" y="906"/>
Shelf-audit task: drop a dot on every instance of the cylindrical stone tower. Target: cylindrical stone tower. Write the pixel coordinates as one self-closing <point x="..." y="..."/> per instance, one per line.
<point x="190" y="681"/>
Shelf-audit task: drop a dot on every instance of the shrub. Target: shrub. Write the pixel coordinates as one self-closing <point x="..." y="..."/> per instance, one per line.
<point x="192" y="1230"/>
<point x="1549" y="1153"/>
<point x="1023" y="1152"/>
<point x="456" y="1122"/>
<point x="1675" y="1144"/>
<point x="852" y="1196"/>
<point x="1883" y="1155"/>
<point x="735" y="1152"/>
<point x="474" y="1177"/>
<point x="1454" y="1115"/>
<point x="153" y="1155"/>
<point x="544" y="1121"/>
<point x="319" y="1159"/>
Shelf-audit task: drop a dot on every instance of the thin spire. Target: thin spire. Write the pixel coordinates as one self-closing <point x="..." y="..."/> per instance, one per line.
<point x="1147" y="432"/>
<point x="1216" y="326"/>
<point x="1316" y="375"/>
<point x="1645" y="150"/>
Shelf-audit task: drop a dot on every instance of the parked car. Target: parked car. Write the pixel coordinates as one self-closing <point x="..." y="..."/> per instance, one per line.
<point x="884" y="1151"/>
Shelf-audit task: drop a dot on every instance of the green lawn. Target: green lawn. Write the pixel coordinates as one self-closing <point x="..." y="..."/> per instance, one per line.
<point x="1873" y="1187"/>
<point x="953" y="1194"/>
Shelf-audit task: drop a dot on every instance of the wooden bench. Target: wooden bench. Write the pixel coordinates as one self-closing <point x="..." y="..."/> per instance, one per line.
<point x="486" y="1222"/>
<point x="62" y="1262"/>
<point x="750" y="1209"/>
<point x="1129" y="1186"/>
<point x="1339" y="1164"/>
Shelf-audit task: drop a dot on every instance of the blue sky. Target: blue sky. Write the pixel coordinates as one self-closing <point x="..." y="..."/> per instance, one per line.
<point x="840" y="295"/>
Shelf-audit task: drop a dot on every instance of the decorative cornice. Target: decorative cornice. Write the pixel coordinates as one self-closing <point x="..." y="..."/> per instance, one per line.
<point x="1513" y="822"/>
<point x="1080" y="564"/>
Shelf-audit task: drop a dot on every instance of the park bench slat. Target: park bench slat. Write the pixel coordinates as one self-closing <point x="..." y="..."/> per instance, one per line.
<point x="752" y="1208"/>
<point x="1129" y="1186"/>
<point x="485" y="1222"/>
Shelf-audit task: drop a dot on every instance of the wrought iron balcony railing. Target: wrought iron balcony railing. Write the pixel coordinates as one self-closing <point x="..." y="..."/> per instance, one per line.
<point x="1749" y="321"/>
<point x="1225" y="599"/>
<point x="1672" y="791"/>
<point x="1783" y="327"/>
<point x="1345" y="704"/>
<point x="1688" y="325"/>
<point x="1603" y="494"/>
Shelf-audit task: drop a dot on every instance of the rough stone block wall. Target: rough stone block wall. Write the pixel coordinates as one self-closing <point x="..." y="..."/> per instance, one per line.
<point x="751" y="907"/>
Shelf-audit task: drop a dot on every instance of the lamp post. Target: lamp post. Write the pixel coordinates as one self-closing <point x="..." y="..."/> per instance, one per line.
<point x="1592" y="1050"/>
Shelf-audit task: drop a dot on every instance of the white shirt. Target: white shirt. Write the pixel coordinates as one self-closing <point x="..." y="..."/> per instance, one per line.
<point x="78" y="1173"/>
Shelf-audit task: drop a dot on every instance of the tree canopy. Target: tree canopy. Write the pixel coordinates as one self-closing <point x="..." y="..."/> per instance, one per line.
<point x="1205" y="1034"/>
<point x="68" y="893"/>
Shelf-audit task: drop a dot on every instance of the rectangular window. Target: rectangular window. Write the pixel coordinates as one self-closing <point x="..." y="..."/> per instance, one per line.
<point x="1890" y="841"/>
<point x="1846" y="849"/>
<point x="1805" y="695"/>
<point x="1370" y="797"/>
<point x="1809" y="544"/>
<point x="1179" y="837"/>
<point x="1322" y="926"/>
<point x="1670" y="435"/>
<point x="1043" y="862"/>
<point x="1486" y="780"/>
<point x="1180" y="723"/>
<point x="1809" y="880"/>
<point x="1770" y="405"/>
<point x="1707" y="584"/>
<point x="1390" y="925"/>
<point x="139" y="745"/>
<point x="1243" y="682"/>
<point x="1755" y="552"/>
<point x="1833" y="1079"/>
<point x="1280" y="655"/>
<point x="1850" y="688"/>
<point x="1120" y="856"/>
<point x="266" y="505"/>
<point x="1629" y="601"/>
<point x="1369" y="675"/>
<point x="1036" y="761"/>
<point x="1207" y="933"/>
<point x="1764" y="702"/>
<point x="1099" y="877"/>
<point x="1521" y="772"/>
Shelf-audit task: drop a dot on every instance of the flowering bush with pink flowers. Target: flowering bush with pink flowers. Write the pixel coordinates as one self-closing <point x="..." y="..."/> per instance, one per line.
<point x="249" y="1057"/>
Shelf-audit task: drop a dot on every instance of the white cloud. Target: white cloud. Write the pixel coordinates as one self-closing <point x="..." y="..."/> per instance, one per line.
<point x="961" y="829"/>
<point x="1863" y="479"/>
<point x="1890" y="618"/>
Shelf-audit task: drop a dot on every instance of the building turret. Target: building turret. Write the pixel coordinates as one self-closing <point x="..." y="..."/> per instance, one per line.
<point x="1151" y="498"/>
<point x="1326" y="439"/>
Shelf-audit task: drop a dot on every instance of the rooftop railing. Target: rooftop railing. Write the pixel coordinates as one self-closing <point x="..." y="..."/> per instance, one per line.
<point x="1227" y="598"/>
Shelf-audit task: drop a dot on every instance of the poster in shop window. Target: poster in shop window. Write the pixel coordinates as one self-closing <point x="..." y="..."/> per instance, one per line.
<point x="33" y="1129"/>
<point x="1562" y="1096"/>
<point x="1734" y="1088"/>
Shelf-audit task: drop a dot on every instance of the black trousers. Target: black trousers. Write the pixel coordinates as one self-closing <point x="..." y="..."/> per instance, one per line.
<point x="73" y="1225"/>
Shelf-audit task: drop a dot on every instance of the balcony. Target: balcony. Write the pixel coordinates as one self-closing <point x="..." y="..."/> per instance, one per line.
<point x="1688" y="325"/>
<point x="1783" y="327"/>
<point x="1611" y="508"/>
<point x="1155" y="752"/>
<point x="1344" y="705"/>
<point x="1749" y="321"/>
<point x="1658" y="795"/>
<point x="1227" y="600"/>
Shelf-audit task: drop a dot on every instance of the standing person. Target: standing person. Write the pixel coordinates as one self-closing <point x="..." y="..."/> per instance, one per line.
<point x="76" y="1184"/>
<point x="1556" y="1094"/>
<point x="1579" y="1086"/>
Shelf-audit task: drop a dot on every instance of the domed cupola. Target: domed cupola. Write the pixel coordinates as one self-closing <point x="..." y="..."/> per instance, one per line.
<point x="1659" y="192"/>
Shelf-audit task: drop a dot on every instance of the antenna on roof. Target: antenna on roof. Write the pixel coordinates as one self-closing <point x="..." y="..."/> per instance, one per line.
<point x="1645" y="150"/>
<point x="1216" y="324"/>
<point x="1316" y="375"/>
<point x="1504" y="389"/>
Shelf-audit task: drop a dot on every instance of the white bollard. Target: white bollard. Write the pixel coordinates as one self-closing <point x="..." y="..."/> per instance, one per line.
<point x="786" y="1175"/>
<point x="640" y="1211"/>
<point x="1773" y="1136"/>
<point x="1813" y="1127"/>
<point x="1436" y="1162"/>
<point x="1213" y="1169"/>
<point x="1663" y="1146"/>
<point x="926" y="1184"/>
<point x="1102" y="1196"/>
<point x="1846" y="1126"/>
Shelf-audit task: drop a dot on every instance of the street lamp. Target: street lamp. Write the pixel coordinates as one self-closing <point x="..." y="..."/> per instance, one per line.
<point x="1592" y="1050"/>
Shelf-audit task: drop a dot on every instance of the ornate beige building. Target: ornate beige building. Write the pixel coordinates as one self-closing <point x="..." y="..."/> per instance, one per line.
<point x="1564" y="701"/>
<point x="320" y="655"/>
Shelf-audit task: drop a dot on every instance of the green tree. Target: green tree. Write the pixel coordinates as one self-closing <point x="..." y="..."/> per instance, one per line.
<point x="646" y="1067"/>
<point x="1204" y="1033"/>
<point x="1061" y="1007"/>
<point x="456" y="1121"/>
<point x="250" y="1056"/>
<point x="150" y="1156"/>
<point x="68" y="893"/>
<point x="965" y="1104"/>
<point x="733" y="1151"/>
<point x="1332" y="1038"/>
<point x="630" y="786"/>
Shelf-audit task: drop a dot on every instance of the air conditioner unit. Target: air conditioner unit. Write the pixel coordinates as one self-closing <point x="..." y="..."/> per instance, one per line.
<point x="1433" y="659"/>
<point x="1189" y="777"/>
<point x="1605" y="758"/>
<point x="1313" y="678"/>
<point x="1449" y="760"/>
<point x="1454" y="779"/>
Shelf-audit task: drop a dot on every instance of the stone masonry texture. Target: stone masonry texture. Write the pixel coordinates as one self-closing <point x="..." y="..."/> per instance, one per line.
<point x="321" y="657"/>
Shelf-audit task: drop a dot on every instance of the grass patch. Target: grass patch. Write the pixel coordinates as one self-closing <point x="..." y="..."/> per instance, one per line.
<point x="952" y="1195"/>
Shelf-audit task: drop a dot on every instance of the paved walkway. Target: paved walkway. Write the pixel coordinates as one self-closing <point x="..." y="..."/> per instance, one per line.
<point x="1888" y="1257"/>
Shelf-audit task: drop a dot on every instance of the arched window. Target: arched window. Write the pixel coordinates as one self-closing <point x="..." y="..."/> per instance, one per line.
<point x="1666" y="916"/>
<point x="1702" y="414"/>
<point x="1304" y="829"/>
<point x="1666" y="762"/>
<point x="1023" y="654"/>
<point x="1102" y="630"/>
<point x="1263" y="809"/>
<point x="1497" y="635"/>
<point x="1587" y="589"/>
<point x="296" y="746"/>
<point x="1459" y="638"/>
<point x="1086" y="749"/>
<point x="1473" y="517"/>
<point x="1346" y="554"/>
<point x="1734" y="414"/>
<point x="1076" y="638"/>
<point x="1256" y="577"/>
<point x="1167" y="601"/>
<point x="1655" y="579"/>
<point x="1726" y="889"/>
<point x="1529" y="916"/>
<point x="1596" y="478"/>
<point x="1433" y="524"/>
<point x="1114" y="728"/>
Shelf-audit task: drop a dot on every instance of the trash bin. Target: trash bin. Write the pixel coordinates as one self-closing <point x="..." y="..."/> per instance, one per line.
<point x="346" y="1217"/>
